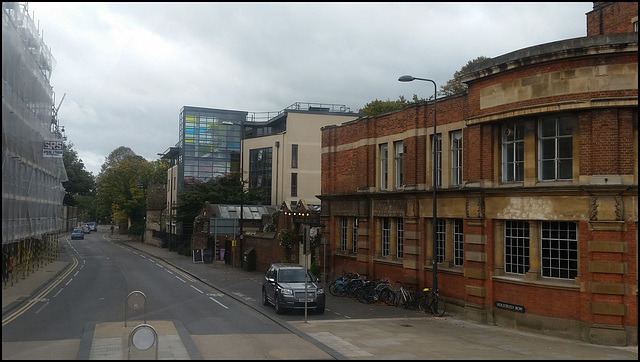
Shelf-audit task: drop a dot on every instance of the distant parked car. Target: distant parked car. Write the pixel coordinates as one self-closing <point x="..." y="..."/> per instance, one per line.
<point x="86" y="229"/>
<point x="93" y="226"/>
<point x="283" y="286"/>
<point x="77" y="233"/>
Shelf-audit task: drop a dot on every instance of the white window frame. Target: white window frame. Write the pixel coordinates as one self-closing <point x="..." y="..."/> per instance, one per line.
<point x="437" y="147"/>
<point x="553" y="147"/>
<point x="386" y="237"/>
<point x="399" y="161"/>
<point x="456" y="157"/>
<point x="354" y="236"/>
<point x="559" y="250"/>
<point x="343" y="233"/>
<point x="384" y="166"/>
<point x="399" y="238"/>
<point x="516" y="247"/>
<point x="512" y="152"/>
<point x="441" y="236"/>
<point x="458" y="242"/>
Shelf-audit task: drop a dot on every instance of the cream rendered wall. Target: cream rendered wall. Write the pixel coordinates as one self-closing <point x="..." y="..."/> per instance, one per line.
<point x="303" y="129"/>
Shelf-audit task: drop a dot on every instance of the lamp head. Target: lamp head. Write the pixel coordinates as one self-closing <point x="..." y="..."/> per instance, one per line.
<point x="406" y="78"/>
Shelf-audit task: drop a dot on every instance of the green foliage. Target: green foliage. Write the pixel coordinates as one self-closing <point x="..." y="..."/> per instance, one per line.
<point x="314" y="241"/>
<point x="198" y="224"/>
<point x="287" y="238"/>
<point x="158" y="175"/>
<point x="79" y="182"/>
<point x="136" y="228"/>
<point x="226" y="189"/>
<point x="116" y="156"/>
<point x="86" y="208"/>
<point x="183" y="249"/>
<point x="273" y="222"/>
<point x="122" y="185"/>
<point x="455" y="85"/>
<point x="378" y="107"/>
<point x="315" y="269"/>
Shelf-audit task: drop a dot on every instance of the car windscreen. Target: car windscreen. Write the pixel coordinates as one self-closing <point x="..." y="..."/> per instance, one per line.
<point x="291" y="276"/>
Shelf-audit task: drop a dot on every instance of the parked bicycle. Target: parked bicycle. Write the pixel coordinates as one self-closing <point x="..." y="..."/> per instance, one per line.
<point x="353" y="284"/>
<point x="338" y="287"/>
<point x="432" y="303"/>
<point x="375" y="290"/>
<point x="406" y="298"/>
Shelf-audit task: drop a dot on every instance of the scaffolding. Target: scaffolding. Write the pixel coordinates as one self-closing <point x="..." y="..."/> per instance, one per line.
<point x="32" y="190"/>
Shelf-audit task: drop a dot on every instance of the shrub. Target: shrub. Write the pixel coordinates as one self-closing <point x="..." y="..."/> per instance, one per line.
<point x="315" y="269"/>
<point x="186" y="251"/>
<point x="287" y="238"/>
<point x="136" y="228"/>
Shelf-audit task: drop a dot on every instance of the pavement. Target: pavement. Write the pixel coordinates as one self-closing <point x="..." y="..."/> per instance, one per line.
<point x="348" y="330"/>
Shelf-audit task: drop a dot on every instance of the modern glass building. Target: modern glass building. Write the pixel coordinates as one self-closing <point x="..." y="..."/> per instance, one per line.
<point x="209" y="143"/>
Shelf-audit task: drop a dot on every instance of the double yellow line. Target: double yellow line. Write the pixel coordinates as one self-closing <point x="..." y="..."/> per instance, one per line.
<point x="40" y="295"/>
<point x="177" y="271"/>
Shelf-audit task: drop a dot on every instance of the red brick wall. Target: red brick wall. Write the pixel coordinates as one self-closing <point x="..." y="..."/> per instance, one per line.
<point x="611" y="17"/>
<point x="347" y="171"/>
<point x="268" y="251"/>
<point x="606" y="142"/>
<point x="605" y="146"/>
<point x="472" y="161"/>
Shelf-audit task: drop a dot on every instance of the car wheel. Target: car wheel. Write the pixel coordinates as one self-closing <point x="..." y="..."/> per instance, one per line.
<point x="265" y="300"/>
<point x="276" y="303"/>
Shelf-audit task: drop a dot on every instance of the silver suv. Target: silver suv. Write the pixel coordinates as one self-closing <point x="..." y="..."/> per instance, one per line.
<point x="283" y="286"/>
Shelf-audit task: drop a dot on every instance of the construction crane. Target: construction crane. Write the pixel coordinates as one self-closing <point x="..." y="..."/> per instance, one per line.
<point x="54" y="118"/>
<point x="55" y="111"/>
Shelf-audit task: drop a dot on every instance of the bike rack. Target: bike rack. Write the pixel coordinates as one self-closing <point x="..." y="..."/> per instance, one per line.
<point x="135" y="300"/>
<point x="143" y="336"/>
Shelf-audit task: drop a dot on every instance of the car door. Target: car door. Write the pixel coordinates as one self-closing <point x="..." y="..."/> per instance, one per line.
<point x="269" y="282"/>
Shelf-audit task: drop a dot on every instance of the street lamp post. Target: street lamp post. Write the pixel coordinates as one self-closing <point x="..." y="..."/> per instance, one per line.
<point x="408" y="78"/>
<point x="241" y="236"/>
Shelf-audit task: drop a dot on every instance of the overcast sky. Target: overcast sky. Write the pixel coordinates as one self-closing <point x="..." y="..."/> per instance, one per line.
<point x="128" y="68"/>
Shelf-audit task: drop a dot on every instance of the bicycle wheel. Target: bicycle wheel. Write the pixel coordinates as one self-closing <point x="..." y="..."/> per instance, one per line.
<point x="360" y="294"/>
<point x="368" y="295"/>
<point x="351" y="287"/>
<point x="423" y="304"/>
<point x="438" y="307"/>
<point x="412" y="302"/>
<point x="399" y="298"/>
<point x="388" y="296"/>
<point x="336" y="289"/>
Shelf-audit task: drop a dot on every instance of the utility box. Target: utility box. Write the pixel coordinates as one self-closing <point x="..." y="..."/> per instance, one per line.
<point x="250" y="260"/>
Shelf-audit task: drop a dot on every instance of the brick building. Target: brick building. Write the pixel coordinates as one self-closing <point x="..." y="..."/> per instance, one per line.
<point x="537" y="188"/>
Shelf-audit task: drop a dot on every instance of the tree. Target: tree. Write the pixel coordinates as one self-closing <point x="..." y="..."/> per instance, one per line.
<point x="158" y="175"/>
<point x="122" y="186"/>
<point x="455" y="85"/>
<point x="117" y="155"/>
<point x="378" y="107"/>
<point x="79" y="182"/>
<point x="287" y="238"/>
<point x="227" y="189"/>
